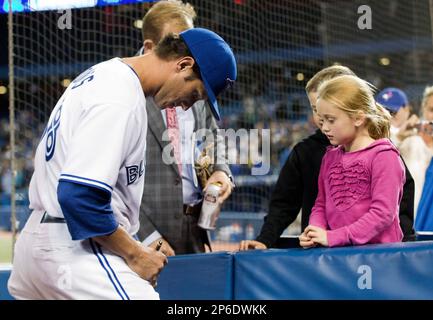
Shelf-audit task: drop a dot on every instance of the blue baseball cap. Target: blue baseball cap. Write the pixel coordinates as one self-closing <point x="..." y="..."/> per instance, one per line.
<point x="392" y="99"/>
<point x="216" y="61"/>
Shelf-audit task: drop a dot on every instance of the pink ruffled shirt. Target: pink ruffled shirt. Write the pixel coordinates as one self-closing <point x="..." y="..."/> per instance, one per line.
<point x="359" y="195"/>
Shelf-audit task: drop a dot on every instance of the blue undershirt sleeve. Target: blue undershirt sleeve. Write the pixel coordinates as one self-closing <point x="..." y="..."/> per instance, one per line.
<point x="87" y="210"/>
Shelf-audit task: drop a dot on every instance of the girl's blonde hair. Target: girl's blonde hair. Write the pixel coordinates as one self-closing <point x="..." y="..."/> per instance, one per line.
<point x="354" y="95"/>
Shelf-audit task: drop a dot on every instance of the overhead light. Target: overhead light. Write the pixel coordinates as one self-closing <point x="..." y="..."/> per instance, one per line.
<point x="65" y="82"/>
<point x="138" y="24"/>
<point x="384" y="61"/>
<point x="300" y="76"/>
<point x="3" y="90"/>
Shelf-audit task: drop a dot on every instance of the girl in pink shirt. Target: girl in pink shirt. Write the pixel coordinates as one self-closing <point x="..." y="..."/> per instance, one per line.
<point x="361" y="180"/>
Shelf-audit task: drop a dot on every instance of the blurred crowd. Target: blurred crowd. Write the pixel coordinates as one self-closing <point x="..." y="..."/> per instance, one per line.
<point x="288" y="119"/>
<point x="25" y="143"/>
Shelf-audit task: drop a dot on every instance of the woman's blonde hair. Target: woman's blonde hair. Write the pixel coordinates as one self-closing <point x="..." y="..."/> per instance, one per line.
<point x="428" y="92"/>
<point x="354" y="95"/>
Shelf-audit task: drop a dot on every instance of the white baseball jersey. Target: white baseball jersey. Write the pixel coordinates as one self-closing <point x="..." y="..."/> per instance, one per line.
<point x="96" y="136"/>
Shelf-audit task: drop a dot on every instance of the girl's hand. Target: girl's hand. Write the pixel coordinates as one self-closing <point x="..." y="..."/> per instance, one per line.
<point x="305" y="241"/>
<point x="317" y="235"/>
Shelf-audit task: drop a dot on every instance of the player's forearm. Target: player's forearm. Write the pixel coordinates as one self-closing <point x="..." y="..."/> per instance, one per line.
<point x="144" y="261"/>
<point x="120" y="243"/>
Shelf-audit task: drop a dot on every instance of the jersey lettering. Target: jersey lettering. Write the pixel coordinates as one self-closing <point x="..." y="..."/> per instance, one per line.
<point x="86" y="76"/>
<point x="134" y="172"/>
<point x="51" y="132"/>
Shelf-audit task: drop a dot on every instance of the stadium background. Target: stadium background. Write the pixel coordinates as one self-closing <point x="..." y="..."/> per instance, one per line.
<point x="279" y="45"/>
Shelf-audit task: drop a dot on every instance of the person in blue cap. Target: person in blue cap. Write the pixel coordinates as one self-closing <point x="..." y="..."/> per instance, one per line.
<point x="417" y="151"/>
<point x="87" y="185"/>
<point x="424" y="216"/>
<point x="397" y="103"/>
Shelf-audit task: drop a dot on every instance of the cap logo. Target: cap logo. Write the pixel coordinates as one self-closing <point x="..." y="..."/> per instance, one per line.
<point x="229" y="83"/>
<point x="387" y="95"/>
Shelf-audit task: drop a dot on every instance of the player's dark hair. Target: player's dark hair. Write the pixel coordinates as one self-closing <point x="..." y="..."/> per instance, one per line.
<point x="172" y="47"/>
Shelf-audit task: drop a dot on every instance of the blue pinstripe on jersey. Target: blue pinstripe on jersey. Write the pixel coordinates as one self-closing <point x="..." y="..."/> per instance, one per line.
<point x="114" y="274"/>
<point x="108" y="273"/>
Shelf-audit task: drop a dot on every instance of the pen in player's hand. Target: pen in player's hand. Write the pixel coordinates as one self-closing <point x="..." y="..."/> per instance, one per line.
<point x="159" y="245"/>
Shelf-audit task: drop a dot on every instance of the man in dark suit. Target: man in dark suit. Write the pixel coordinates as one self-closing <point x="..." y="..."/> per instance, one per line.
<point x="172" y="195"/>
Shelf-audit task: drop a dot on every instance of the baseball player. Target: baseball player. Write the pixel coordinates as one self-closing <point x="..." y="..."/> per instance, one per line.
<point x="89" y="169"/>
